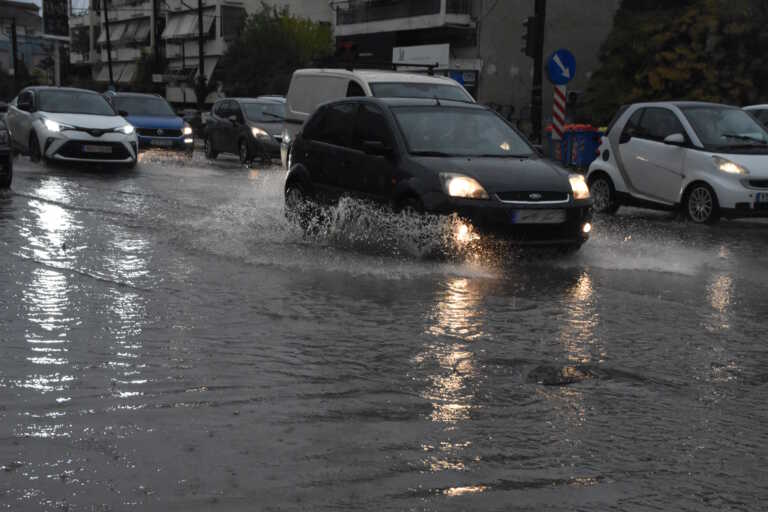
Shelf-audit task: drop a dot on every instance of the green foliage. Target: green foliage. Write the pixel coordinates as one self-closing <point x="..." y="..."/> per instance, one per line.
<point x="708" y="50"/>
<point x="272" y="44"/>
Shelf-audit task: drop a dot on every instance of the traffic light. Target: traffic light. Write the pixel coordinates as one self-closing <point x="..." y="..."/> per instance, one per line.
<point x="530" y="36"/>
<point x="347" y="51"/>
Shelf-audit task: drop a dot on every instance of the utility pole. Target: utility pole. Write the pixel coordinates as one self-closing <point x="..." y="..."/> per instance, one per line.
<point x="14" y="54"/>
<point x="155" y="32"/>
<point x="200" y="58"/>
<point x="109" y="43"/>
<point x="540" y="15"/>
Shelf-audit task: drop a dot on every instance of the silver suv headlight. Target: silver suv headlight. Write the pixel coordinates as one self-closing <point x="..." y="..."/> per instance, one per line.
<point x="127" y="129"/>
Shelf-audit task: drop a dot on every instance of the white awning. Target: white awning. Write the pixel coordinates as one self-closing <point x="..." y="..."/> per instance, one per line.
<point x="116" y="32"/>
<point x="210" y="67"/>
<point x="128" y="73"/>
<point x="185" y="25"/>
<point x="103" y="75"/>
<point x="142" y="31"/>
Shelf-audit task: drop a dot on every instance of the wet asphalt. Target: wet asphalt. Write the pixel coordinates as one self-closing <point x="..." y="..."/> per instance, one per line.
<point x="169" y="342"/>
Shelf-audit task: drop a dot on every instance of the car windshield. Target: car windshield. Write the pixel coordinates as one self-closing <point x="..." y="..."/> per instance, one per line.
<point x="442" y="131"/>
<point x="265" y="112"/>
<point x="418" y="90"/>
<point x="724" y="128"/>
<point x="143" y="106"/>
<point x="74" y="102"/>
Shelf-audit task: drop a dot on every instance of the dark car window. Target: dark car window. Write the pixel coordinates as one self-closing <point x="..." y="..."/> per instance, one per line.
<point x="632" y="128"/>
<point x="220" y="108"/>
<point x="24" y="96"/>
<point x="451" y="131"/>
<point x="354" y="89"/>
<point x="74" y="102"/>
<point x="418" y="90"/>
<point x="616" y="117"/>
<point x="234" y="110"/>
<point x="314" y="125"/>
<point x="338" y="124"/>
<point x="659" y="123"/>
<point x="761" y="115"/>
<point x="264" y="112"/>
<point x="143" y="106"/>
<point x="372" y="125"/>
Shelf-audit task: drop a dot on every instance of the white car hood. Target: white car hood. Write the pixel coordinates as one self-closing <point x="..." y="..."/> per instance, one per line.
<point x="86" y="120"/>
<point x="756" y="164"/>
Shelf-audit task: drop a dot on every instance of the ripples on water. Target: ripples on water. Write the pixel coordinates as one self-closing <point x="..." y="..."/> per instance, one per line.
<point x="168" y="339"/>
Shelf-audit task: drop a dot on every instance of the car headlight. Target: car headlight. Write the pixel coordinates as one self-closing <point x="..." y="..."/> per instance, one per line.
<point x="726" y="165"/>
<point x="54" y="126"/>
<point x="187" y="130"/>
<point x="127" y="129"/>
<point x="458" y="185"/>
<point x="579" y="186"/>
<point x="259" y="133"/>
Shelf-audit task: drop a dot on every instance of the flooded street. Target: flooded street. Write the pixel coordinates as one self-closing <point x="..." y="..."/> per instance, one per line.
<point x="169" y="342"/>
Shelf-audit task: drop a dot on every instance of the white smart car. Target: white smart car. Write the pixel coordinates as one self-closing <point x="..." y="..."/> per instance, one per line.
<point x="710" y="160"/>
<point x="70" y="125"/>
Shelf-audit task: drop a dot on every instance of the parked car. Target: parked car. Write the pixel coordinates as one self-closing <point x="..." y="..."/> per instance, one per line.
<point x="311" y="87"/>
<point x="72" y="125"/>
<point x="6" y="158"/>
<point x="441" y="157"/>
<point x="710" y="160"/>
<point x="157" y="125"/>
<point x="247" y="127"/>
<point x="760" y="112"/>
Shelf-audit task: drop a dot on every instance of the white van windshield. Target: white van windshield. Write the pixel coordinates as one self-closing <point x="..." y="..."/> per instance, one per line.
<point x="417" y="90"/>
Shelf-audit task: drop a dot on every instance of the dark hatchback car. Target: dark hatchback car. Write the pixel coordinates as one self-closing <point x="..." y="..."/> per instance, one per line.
<point x="439" y="157"/>
<point x="248" y="127"/>
<point x="6" y="157"/>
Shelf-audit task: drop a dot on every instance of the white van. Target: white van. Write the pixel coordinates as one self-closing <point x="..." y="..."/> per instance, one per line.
<point x="312" y="87"/>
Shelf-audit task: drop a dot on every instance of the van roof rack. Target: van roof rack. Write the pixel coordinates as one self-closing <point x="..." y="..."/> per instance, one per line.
<point x="371" y="64"/>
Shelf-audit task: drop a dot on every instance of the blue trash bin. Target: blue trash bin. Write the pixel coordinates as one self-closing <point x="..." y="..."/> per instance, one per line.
<point x="583" y="143"/>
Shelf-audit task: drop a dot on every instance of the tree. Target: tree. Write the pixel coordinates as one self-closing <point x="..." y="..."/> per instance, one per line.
<point x="708" y="50"/>
<point x="272" y="44"/>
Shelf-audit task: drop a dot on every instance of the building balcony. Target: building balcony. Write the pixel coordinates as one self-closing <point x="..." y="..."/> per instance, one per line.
<point x="80" y="20"/>
<point x="188" y="49"/>
<point x="123" y="54"/>
<point x="373" y="16"/>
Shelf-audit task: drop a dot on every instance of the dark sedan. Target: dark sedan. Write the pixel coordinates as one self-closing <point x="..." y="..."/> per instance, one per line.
<point x="440" y="157"/>
<point x="248" y="127"/>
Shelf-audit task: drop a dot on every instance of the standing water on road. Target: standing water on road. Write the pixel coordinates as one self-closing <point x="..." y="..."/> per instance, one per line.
<point x="169" y="342"/>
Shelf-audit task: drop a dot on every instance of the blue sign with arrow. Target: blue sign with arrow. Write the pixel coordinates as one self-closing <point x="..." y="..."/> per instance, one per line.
<point x="561" y="67"/>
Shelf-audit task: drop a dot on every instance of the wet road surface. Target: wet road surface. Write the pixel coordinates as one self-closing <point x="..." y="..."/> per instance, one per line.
<point x="169" y="342"/>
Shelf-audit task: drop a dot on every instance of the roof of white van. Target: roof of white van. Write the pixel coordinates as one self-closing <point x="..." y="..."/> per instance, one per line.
<point x="371" y="75"/>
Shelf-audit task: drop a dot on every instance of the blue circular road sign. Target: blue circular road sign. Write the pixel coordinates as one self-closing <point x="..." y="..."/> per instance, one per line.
<point x="561" y="67"/>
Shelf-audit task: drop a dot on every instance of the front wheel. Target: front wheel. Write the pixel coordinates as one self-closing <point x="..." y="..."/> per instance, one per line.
<point x="299" y="207"/>
<point x="34" y="148"/>
<point x="210" y="154"/>
<point x="701" y="204"/>
<point x="244" y="153"/>
<point x="6" y="174"/>
<point x="603" y="195"/>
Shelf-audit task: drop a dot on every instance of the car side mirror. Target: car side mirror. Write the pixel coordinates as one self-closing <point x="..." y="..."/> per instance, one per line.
<point x="233" y="119"/>
<point x="676" y="139"/>
<point x="26" y="106"/>
<point x="123" y="113"/>
<point x="625" y="137"/>
<point x="376" y="147"/>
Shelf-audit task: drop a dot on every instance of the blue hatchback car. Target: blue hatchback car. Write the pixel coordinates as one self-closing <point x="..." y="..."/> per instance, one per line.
<point x="157" y="125"/>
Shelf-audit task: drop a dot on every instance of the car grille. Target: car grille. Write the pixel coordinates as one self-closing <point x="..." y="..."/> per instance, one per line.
<point x="158" y="132"/>
<point x="532" y="196"/>
<point x="759" y="183"/>
<point x="74" y="149"/>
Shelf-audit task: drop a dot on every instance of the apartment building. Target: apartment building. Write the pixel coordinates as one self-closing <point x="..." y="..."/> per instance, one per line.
<point x="34" y="50"/>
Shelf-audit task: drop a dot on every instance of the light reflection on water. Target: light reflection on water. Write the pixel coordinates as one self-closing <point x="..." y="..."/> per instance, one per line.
<point x="581" y="319"/>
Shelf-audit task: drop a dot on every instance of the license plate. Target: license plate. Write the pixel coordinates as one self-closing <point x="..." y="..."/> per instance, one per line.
<point x="537" y="216"/>
<point x="97" y="149"/>
<point x="761" y="197"/>
<point x="161" y="142"/>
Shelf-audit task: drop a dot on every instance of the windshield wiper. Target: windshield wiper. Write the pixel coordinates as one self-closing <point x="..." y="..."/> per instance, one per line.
<point x="489" y="155"/>
<point x="276" y="116"/>
<point x="431" y="153"/>
<point x="737" y="136"/>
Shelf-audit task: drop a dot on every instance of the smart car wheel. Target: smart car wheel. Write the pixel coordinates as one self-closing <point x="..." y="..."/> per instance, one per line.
<point x="34" y="148"/>
<point x="701" y="204"/>
<point x="603" y="195"/>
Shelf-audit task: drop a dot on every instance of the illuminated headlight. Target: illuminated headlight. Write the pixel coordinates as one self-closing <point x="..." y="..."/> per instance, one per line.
<point x="259" y="133"/>
<point x="127" y="129"/>
<point x="726" y="165"/>
<point x="3" y="137"/>
<point x="187" y="130"/>
<point x="458" y="185"/>
<point x="579" y="186"/>
<point x="53" y="126"/>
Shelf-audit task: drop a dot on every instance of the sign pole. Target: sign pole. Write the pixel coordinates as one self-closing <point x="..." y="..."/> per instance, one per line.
<point x="558" y="112"/>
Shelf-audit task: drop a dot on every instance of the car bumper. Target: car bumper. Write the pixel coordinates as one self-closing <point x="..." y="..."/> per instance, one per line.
<point x="740" y="199"/>
<point x="184" y="142"/>
<point x="270" y="146"/>
<point x="74" y="146"/>
<point x="497" y="219"/>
